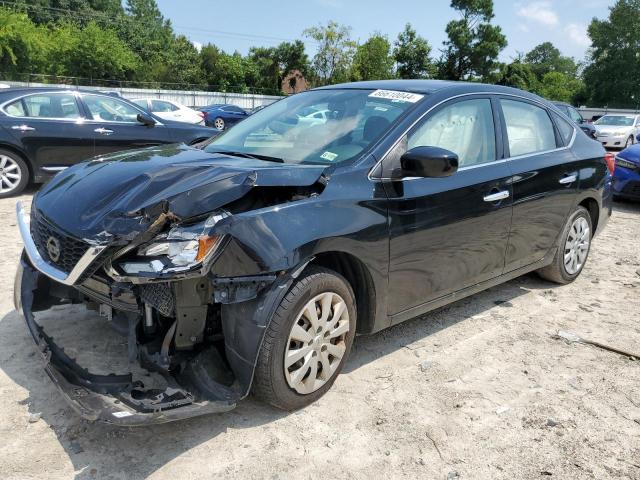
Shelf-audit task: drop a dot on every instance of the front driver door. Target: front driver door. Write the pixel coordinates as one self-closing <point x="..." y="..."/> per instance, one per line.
<point x="115" y="126"/>
<point x="449" y="233"/>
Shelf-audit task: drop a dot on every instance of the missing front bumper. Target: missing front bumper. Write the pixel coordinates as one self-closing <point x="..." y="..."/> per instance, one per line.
<point x="113" y="399"/>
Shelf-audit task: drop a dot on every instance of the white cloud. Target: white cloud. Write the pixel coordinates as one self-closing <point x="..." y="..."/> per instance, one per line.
<point x="198" y="45"/>
<point x="578" y="34"/>
<point x="540" y="12"/>
<point x="523" y="28"/>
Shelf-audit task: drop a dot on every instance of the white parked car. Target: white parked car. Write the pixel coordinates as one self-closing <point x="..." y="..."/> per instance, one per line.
<point x="170" y="110"/>
<point x="617" y="130"/>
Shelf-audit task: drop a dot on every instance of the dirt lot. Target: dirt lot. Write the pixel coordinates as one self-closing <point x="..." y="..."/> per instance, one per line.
<point x="476" y="390"/>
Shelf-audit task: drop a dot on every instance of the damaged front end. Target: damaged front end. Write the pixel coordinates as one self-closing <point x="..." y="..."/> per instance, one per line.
<point x="188" y="335"/>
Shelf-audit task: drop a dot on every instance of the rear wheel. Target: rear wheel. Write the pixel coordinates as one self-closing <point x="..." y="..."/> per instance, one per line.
<point x="14" y="174"/>
<point x="307" y="342"/>
<point x="219" y="123"/>
<point x="572" y="254"/>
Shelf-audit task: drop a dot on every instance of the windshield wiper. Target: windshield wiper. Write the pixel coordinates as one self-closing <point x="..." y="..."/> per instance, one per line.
<point x="254" y="156"/>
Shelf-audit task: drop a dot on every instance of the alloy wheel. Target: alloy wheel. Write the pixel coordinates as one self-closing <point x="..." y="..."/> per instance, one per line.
<point x="316" y="343"/>
<point x="10" y="174"/>
<point x="576" y="247"/>
<point x="219" y="123"/>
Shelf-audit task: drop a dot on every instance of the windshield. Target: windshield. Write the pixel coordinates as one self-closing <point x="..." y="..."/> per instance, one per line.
<point x="615" y="120"/>
<point x="317" y="127"/>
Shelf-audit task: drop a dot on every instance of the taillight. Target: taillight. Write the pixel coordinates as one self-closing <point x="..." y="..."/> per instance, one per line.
<point x="610" y="159"/>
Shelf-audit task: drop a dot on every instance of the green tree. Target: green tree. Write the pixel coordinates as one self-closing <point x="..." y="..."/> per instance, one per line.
<point x="614" y="69"/>
<point x="518" y="75"/>
<point x="545" y="58"/>
<point x="412" y="55"/>
<point x="92" y="52"/>
<point x="559" y="86"/>
<point x="80" y="12"/>
<point x="373" y="60"/>
<point x="472" y="50"/>
<point x="332" y="61"/>
<point x="24" y="46"/>
<point x="181" y="65"/>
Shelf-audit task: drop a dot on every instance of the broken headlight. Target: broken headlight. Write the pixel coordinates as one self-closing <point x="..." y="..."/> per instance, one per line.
<point x="182" y="248"/>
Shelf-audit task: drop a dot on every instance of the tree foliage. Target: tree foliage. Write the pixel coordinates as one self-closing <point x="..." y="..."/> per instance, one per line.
<point x="613" y="73"/>
<point x="333" y="59"/>
<point x="546" y="58"/>
<point x="412" y="55"/>
<point x="373" y="60"/>
<point x="473" y="45"/>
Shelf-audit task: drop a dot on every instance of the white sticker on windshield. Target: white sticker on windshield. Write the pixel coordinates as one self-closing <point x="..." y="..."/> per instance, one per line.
<point x="329" y="156"/>
<point x="397" y="96"/>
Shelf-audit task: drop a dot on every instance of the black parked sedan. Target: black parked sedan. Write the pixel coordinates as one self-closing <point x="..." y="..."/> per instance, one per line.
<point x="577" y="118"/>
<point x="251" y="265"/>
<point x="44" y="130"/>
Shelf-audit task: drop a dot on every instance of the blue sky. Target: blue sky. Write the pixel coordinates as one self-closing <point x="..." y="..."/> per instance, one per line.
<point x="242" y="24"/>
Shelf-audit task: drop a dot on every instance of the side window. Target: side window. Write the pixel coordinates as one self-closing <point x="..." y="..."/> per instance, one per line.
<point x="160" y="106"/>
<point x="16" y="109"/>
<point x="466" y="128"/>
<point x="566" y="129"/>
<point x="55" y="105"/>
<point x="529" y="128"/>
<point x="575" y="115"/>
<point x="141" y="102"/>
<point x="110" y="109"/>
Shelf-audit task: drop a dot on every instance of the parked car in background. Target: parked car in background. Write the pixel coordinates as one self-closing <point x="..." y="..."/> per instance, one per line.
<point x="170" y="110"/>
<point x="617" y="130"/>
<point x="43" y="131"/>
<point x="223" y="116"/>
<point x="577" y="117"/>
<point x="252" y="264"/>
<point x="626" y="179"/>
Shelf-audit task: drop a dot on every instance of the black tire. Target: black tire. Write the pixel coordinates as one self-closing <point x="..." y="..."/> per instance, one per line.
<point x="22" y="169"/>
<point x="270" y="384"/>
<point x="556" y="271"/>
<point x="629" y="142"/>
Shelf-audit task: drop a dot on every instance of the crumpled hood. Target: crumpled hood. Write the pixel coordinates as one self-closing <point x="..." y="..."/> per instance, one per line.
<point x="122" y="194"/>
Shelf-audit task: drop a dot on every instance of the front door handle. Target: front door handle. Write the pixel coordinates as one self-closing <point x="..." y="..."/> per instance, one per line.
<point x="497" y="196"/>
<point x="566" y="180"/>
<point x="23" y="128"/>
<point x="103" y="131"/>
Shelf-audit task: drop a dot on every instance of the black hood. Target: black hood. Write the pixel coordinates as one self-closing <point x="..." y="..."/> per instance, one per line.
<point x="121" y="194"/>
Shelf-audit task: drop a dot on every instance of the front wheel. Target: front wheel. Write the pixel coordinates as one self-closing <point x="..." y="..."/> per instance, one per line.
<point x="629" y="142"/>
<point x="572" y="254"/>
<point x="307" y="341"/>
<point x="14" y="174"/>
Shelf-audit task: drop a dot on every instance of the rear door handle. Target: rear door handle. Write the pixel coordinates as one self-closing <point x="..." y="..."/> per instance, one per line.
<point x="497" y="196"/>
<point x="568" y="179"/>
<point x="103" y="131"/>
<point x="23" y="128"/>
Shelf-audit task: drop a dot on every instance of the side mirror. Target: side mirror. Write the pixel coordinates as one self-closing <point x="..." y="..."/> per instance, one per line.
<point x="431" y="162"/>
<point x="146" y="120"/>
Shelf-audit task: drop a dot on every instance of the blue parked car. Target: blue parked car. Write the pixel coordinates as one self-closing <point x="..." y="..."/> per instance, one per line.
<point x="626" y="178"/>
<point x="222" y="116"/>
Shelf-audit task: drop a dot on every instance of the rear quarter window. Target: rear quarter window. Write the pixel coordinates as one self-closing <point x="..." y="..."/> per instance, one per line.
<point x="565" y="128"/>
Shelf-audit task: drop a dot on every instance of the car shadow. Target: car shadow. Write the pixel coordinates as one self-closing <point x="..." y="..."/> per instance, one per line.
<point x="95" y="447"/>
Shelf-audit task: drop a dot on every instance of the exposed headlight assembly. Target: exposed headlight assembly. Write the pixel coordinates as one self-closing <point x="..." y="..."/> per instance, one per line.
<point x="182" y="248"/>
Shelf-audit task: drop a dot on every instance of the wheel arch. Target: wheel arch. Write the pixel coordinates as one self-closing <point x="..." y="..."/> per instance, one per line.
<point x="359" y="278"/>
<point x="21" y="154"/>
<point x="591" y="204"/>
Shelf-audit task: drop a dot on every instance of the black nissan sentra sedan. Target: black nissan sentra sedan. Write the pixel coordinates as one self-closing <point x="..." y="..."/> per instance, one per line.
<point x="45" y="130"/>
<point x="251" y="265"/>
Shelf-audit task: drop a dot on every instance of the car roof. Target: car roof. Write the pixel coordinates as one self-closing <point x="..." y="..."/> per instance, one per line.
<point x="433" y="86"/>
<point x="12" y="92"/>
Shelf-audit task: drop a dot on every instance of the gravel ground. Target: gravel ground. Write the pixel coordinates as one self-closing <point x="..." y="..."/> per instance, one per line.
<point x="476" y="390"/>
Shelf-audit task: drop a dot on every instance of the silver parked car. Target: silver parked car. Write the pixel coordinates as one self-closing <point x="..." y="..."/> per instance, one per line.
<point x="617" y="130"/>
